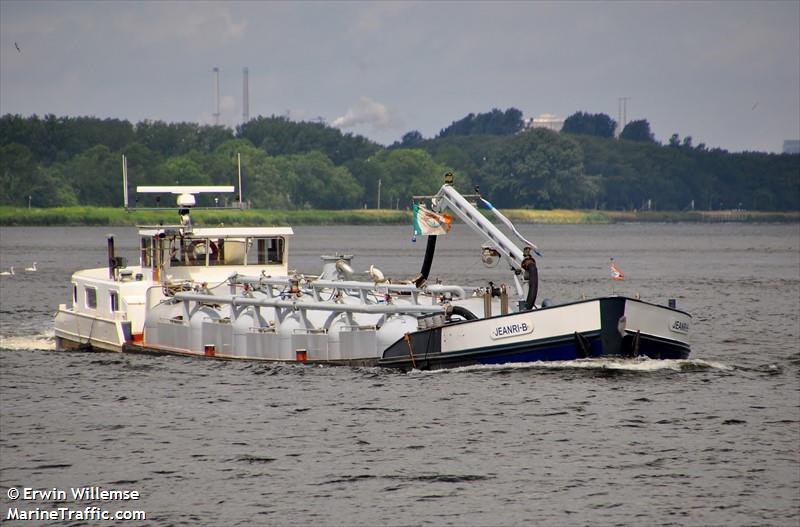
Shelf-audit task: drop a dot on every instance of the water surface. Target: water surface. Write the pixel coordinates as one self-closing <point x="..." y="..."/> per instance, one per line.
<point x="714" y="440"/>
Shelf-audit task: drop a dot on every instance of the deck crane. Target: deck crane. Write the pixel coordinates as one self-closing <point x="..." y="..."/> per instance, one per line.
<point x="521" y="262"/>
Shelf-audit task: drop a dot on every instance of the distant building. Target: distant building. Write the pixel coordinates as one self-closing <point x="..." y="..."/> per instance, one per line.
<point x="791" y="146"/>
<point x="546" y="120"/>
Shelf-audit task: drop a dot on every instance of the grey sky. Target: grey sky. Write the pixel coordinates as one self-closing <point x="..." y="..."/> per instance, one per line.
<point x="726" y="73"/>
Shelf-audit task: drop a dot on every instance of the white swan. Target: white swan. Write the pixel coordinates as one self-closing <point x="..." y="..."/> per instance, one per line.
<point x="31" y="269"/>
<point x="376" y="274"/>
<point x="10" y="272"/>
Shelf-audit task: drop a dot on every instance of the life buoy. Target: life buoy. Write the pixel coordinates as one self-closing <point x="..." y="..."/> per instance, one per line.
<point x="197" y="249"/>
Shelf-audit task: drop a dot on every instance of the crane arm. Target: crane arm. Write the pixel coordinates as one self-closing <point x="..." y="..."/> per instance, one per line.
<point x="450" y="198"/>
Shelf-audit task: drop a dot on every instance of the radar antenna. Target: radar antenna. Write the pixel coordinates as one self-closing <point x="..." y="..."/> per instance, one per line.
<point x="186" y="197"/>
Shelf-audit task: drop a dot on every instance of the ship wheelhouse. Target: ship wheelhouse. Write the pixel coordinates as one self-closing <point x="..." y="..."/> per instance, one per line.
<point x="206" y="254"/>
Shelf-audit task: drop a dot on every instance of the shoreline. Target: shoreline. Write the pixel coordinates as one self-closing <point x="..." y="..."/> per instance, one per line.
<point x="108" y="216"/>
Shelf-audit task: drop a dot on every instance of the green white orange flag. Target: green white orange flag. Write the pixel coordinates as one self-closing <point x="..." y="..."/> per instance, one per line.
<point x="430" y="223"/>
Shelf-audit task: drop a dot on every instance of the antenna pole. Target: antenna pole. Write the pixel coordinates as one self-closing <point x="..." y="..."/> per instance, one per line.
<point x="624" y="111"/>
<point x="125" y="180"/>
<point x="239" y="159"/>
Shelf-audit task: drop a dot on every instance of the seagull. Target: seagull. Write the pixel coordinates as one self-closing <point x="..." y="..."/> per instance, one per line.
<point x="376" y="274"/>
<point x="31" y="269"/>
<point x="17" y="46"/>
<point x="10" y="272"/>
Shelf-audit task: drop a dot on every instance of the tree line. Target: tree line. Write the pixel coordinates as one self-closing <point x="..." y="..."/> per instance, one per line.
<point x="63" y="161"/>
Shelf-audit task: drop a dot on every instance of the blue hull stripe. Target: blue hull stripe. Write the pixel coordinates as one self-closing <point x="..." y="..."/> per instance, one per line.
<point x="563" y="349"/>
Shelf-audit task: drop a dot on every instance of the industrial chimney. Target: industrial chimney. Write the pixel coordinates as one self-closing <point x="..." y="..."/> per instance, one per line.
<point x="216" y="96"/>
<point x="245" y="95"/>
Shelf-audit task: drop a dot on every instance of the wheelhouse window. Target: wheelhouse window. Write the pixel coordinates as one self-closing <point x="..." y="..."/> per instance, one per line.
<point x="114" y="301"/>
<point x="186" y="252"/>
<point x="91" y="297"/>
<point x="193" y="252"/>
<point x="74" y="294"/>
<point x="146" y="254"/>
<point x="269" y="251"/>
<point x="226" y="251"/>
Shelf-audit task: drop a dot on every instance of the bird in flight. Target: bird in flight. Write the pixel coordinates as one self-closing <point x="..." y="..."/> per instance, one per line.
<point x="17" y="46"/>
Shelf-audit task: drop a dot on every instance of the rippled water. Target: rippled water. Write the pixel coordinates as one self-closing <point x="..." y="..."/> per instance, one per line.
<point x="714" y="440"/>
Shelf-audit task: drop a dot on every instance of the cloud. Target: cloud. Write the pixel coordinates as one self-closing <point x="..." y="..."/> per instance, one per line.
<point x="365" y="111"/>
<point x="203" y="24"/>
<point x="376" y="15"/>
<point x="192" y="23"/>
<point x="228" y="104"/>
<point x="229" y="114"/>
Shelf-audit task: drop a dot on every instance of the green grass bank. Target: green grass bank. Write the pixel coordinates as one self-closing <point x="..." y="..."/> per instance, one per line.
<point x="15" y="216"/>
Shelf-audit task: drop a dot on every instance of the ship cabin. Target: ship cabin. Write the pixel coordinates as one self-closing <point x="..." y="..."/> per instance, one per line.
<point x="116" y="296"/>
<point x="213" y="254"/>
